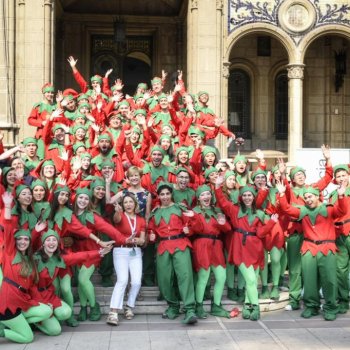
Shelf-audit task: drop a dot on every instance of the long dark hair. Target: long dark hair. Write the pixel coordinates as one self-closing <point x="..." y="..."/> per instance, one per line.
<point x="55" y="205"/>
<point x="44" y="257"/>
<point x="28" y="266"/>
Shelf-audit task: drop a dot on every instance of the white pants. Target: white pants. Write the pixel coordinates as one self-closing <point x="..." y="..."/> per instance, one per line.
<point x="124" y="263"/>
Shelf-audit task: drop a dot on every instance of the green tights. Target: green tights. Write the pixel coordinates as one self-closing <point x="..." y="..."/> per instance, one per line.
<point x="66" y="290"/>
<point x="251" y="283"/>
<point x="86" y="289"/>
<point x="202" y="279"/>
<point x="18" y="329"/>
<point x="275" y="256"/>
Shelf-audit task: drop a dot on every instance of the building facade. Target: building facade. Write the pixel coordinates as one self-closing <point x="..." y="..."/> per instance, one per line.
<point x="276" y="70"/>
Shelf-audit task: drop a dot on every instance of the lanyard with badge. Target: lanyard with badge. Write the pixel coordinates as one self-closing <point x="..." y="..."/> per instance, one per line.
<point x="133" y="233"/>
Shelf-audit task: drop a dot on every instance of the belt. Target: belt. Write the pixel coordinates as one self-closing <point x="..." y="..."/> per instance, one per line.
<point x="295" y="220"/>
<point x="340" y="223"/>
<point x="245" y="234"/>
<point x="41" y="289"/>
<point x="323" y="241"/>
<point x="170" y="238"/>
<point x="202" y="235"/>
<point x="15" y="284"/>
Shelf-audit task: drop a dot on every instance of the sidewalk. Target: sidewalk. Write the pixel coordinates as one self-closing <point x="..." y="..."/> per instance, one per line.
<point x="276" y="330"/>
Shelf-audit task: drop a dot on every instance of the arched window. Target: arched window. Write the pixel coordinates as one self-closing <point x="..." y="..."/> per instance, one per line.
<point x="239" y="103"/>
<point x="281" y="106"/>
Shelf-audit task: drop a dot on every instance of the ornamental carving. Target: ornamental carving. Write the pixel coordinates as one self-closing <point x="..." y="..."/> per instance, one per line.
<point x="219" y="4"/>
<point x="296" y="71"/>
<point x="194" y="4"/>
<point x="48" y="2"/>
<point x="226" y="69"/>
<point x="21" y="2"/>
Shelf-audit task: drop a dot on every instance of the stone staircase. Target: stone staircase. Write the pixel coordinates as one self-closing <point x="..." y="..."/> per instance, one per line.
<point x="150" y="304"/>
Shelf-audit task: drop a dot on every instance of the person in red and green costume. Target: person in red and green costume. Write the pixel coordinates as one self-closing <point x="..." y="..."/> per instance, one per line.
<point x="342" y="226"/>
<point x="318" y="251"/>
<point x="39" y="113"/>
<point x="295" y="238"/>
<point x="208" y="255"/>
<point x="246" y="250"/>
<point x="168" y="223"/>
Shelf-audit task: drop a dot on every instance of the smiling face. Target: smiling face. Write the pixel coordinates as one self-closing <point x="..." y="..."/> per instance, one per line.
<point x="114" y="122"/>
<point x="342" y="177"/>
<point x="156" y="158"/>
<point x="248" y="199"/>
<point x="85" y="163"/>
<point x="260" y="181"/>
<point x="166" y="130"/>
<point x="25" y="197"/>
<point x="210" y="158"/>
<point x="165" y="144"/>
<point x="99" y="192"/>
<point x="129" y="205"/>
<point x="134" y="178"/>
<point x="165" y="197"/>
<point x="311" y="200"/>
<point x="59" y="135"/>
<point x="204" y="98"/>
<point x="82" y="201"/>
<point x="22" y="244"/>
<point x="49" y="171"/>
<point x="183" y="157"/>
<point x="182" y="180"/>
<point x="62" y="198"/>
<point x="231" y="182"/>
<point x="205" y="199"/>
<point x="50" y="245"/>
<point x="49" y="96"/>
<point x="104" y="145"/>
<point x="80" y="134"/>
<point x="299" y="179"/>
<point x="11" y="177"/>
<point x="38" y="193"/>
<point x="240" y="167"/>
<point x="213" y="176"/>
<point x="71" y="106"/>
<point x="157" y="87"/>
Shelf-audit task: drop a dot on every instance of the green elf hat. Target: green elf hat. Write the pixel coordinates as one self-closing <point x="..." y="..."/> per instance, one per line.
<point x="339" y="167"/>
<point x="196" y="131"/>
<point x="164" y="184"/>
<point x="87" y="105"/>
<point x="29" y="140"/>
<point x="169" y="126"/>
<point x="22" y="232"/>
<point x="124" y="103"/>
<point x="49" y="233"/>
<point x="312" y="190"/>
<point x="57" y="126"/>
<point x="156" y="80"/>
<point x="208" y="149"/>
<point x="161" y="96"/>
<point x="77" y="127"/>
<point x="201" y="189"/>
<point x="77" y="145"/>
<point x="258" y="172"/>
<point x="200" y="93"/>
<point x="247" y="188"/>
<point x="85" y="155"/>
<point x="181" y="170"/>
<point x="48" y="87"/>
<point x="136" y="97"/>
<point x="20" y="188"/>
<point x="165" y="137"/>
<point x="114" y="87"/>
<point x="240" y="158"/>
<point x="82" y="97"/>
<point x="97" y="182"/>
<point x="83" y="190"/>
<point x="77" y="115"/>
<point x="158" y="148"/>
<point x="142" y="86"/>
<point x="295" y="170"/>
<point x="61" y="188"/>
<point x="115" y="114"/>
<point x="140" y="111"/>
<point x="38" y="182"/>
<point x="69" y="97"/>
<point x="229" y="173"/>
<point x="137" y="130"/>
<point x="108" y="163"/>
<point x="104" y="137"/>
<point x="209" y="171"/>
<point x="274" y="169"/>
<point x="181" y="149"/>
<point x="6" y="170"/>
<point x="96" y="78"/>
<point x="47" y="162"/>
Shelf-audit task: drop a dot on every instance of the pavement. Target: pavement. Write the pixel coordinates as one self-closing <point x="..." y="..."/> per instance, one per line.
<point x="274" y="331"/>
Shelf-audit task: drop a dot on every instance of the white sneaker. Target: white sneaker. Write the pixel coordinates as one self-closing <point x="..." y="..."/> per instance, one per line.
<point x="288" y="307"/>
<point x="112" y="319"/>
<point x="129" y="315"/>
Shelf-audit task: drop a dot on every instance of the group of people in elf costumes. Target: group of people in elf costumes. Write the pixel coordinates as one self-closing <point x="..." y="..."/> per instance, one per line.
<point x="128" y="183"/>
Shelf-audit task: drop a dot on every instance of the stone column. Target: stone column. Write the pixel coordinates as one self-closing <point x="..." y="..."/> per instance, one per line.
<point x="192" y="37"/>
<point x="47" y="40"/>
<point x="295" y="91"/>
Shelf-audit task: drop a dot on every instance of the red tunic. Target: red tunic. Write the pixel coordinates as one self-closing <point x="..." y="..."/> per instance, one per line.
<point x="252" y="251"/>
<point x="103" y="226"/>
<point x="206" y="251"/>
<point x="125" y="229"/>
<point x="173" y="228"/>
<point x="323" y="229"/>
<point x="12" y="298"/>
<point x="45" y="285"/>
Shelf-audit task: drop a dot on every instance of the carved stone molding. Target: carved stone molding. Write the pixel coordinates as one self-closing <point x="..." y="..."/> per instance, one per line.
<point x="295" y="71"/>
<point x="219" y="5"/>
<point x="21" y="2"/>
<point x="48" y="2"/>
<point x="226" y="69"/>
<point x="194" y="5"/>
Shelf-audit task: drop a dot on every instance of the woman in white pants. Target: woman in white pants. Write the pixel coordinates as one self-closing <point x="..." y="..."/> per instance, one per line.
<point x="128" y="258"/>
